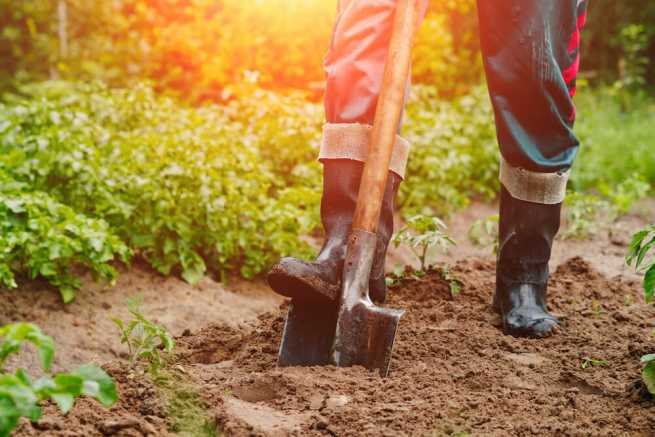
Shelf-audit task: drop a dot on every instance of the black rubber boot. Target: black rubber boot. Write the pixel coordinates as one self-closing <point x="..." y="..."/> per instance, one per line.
<point x="526" y="234"/>
<point x="321" y="279"/>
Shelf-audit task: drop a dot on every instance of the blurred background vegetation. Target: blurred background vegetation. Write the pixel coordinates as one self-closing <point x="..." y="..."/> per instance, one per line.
<point x="194" y="48"/>
<point x="186" y="131"/>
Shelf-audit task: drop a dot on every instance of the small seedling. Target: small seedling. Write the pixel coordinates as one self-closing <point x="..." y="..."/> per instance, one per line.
<point x="20" y="396"/>
<point x="484" y="233"/>
<point x="145" y="340"/>
<point x="640" y="253"/>
<point x="593" y="362"/>
<point x="597" y="308"/>
<point x="648" y="372"/>
<point x="395" y="276"/>
<point x="455" y="284"/>
<point x="428" y="234"/>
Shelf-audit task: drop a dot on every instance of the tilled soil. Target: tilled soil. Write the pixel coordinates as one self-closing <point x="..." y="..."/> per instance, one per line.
<point x="453" y="371"/>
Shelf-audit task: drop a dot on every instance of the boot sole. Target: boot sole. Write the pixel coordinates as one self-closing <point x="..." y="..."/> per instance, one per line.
<point x="301" y="287"/>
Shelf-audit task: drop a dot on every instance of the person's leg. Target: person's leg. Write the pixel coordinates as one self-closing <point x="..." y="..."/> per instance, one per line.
<point x="531" y="56"/>
<point x="354" y="68"/>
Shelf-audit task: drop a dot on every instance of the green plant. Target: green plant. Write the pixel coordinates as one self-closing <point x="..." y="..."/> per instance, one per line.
<point x="616" y="145"/>
<point x="591" y="362"/>
<point x="582" y="213"/>
<point x="454" y="152"/>
<point x="648" y="372"/>
<point x="41" y="237"/>
<point x="639" y="254"/>
<point x="633" y="65"/>
<point x="484" y="232"/>
<point x="423" y="234"/>
<point x="454" y="283"/>
<point x="145" y="340"/>
<point x="20" y="396"/>
<point x="623" y="195"/>
<point x="186" y="188"/>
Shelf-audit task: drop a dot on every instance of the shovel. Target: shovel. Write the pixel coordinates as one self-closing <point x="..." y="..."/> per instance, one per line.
<point x="365" y="333"/>
<point x="356" y="332"/>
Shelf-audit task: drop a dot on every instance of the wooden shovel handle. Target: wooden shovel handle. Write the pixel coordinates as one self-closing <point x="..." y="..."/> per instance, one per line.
<point x="387" y="117"/>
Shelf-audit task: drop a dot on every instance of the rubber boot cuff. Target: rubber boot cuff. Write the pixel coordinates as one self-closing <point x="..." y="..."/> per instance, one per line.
<point x="530" y="186"/>
<point x="352" y="141"/>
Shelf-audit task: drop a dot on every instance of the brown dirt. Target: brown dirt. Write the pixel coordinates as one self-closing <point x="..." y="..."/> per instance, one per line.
<point x="453" y="371"/>
<point x="84" y="331"/>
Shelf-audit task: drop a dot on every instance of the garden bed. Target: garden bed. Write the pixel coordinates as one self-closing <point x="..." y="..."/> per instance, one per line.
<point x="453" y="371"/>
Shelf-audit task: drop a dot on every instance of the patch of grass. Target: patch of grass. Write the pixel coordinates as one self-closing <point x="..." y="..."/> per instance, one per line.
<point x="187" y="413"/>
<point x="615" y="143"/>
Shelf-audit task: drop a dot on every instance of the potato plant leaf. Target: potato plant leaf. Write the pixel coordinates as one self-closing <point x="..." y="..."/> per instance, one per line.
<point x="649" y="283"/>
<point x="648" y="376"/>
<point x="22" y="397"/>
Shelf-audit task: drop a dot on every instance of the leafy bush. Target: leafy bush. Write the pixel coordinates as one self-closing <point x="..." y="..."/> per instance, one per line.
<point x="615" y="145"/>
<point x="454" y="152"/>
<point x="40" y="236"/>
<point x="227" y="187"/>
<point x="582" y="211"/>
<point x="194" y="49"/>
<point x="182" y="186"/>
<point x="20" y="396"/>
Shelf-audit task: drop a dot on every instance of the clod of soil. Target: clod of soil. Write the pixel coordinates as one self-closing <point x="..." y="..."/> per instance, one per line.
<point x="453" y="371"/>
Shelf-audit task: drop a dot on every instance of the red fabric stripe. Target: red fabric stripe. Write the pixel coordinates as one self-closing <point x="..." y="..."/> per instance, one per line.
<point x="570" y="73"/>
<point x="582" y="19"/>
<point x="572" y="91"/>
<point x="574" y="42"/>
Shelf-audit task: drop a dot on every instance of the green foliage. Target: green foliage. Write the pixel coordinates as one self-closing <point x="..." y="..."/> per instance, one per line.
<point x="194" y="49"/>
<point x="184" y="187"/>
<point x="454" y="152"/>
<point x="16" y="335"/>
<point x="422" y="234"/>
<point x="640" y="253"/>
<point x="581" y="212"/>
<point x="145" y="340"/>
<point x="624" y="194"/>
<point x="454" y="283"/>
<point x="603" y="45"/>
<point x="648" y="372"/>
<point x="446" y="53"/>
<point x="586" y="213"/>
<point x="615" y="145"/>
<point x="41" y="237"/>
<point x="633" y="40"/>
<point x="20" y="396"/>
<point x="484" y="232"/>
<point x="233" y="187"/>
